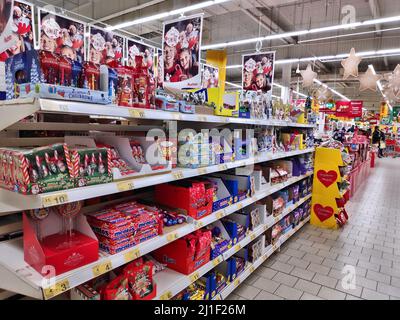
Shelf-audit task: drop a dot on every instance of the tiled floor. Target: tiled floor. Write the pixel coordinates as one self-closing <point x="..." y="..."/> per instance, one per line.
<point x="310" y="264"/>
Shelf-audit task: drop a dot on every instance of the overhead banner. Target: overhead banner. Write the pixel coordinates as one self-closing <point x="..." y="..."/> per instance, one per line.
<point x="62" y="35"/>
<point x="210" y="77"/>
<point x="105" y="46"/>
<point x="21" y="35"/>
<point x="136" y="48"/>
<point x="258" y="72"/>
<point x="343" y="109"/>
<point x="181" y="53"/>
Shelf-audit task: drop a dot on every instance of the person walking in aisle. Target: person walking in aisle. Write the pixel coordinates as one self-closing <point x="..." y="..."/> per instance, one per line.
<point x="382" y="143"/>
<point x="376" y="139"/>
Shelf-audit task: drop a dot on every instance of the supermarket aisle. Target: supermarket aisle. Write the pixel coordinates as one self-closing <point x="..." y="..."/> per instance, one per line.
<point x="309" y="265"/>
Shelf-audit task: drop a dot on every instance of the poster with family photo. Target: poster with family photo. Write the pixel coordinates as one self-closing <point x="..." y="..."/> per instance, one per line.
<point x="61" y="35"/>
<point x="210" y="77"/>
<point x="21" y="34"/>
<point x="105" y="46"/>
<point x="258" y="72"/>
<point x="181" y="52"/>
<point x="135" y="48"/>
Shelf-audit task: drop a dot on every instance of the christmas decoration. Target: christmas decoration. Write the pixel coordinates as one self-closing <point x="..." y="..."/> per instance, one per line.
<point x="393" y="85"/>
<point x="368" y="80"/>
<point x="350" y="65"/>
<point x="322" y="94"/>
<point x="308" y="76"/>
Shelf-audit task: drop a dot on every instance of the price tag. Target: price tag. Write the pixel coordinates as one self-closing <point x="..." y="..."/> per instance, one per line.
<point x="252" y="236"/>
<point x="277" y="219"/>
<point x="236" y="282"/>
<point x="218" y="297"/>
<point x="178" y="175"/>
<point x="166" y="296"/>
<point x="238" y="247"/>
<point x="202" y="171"/>
<point x="199" y="224"/>
<point x="216" y="261"/>
<point x="102" y="268"/>
<point x="172" y="237"/>
<point x="239" y="206"/>
<point x="58" y="288"/>
<point x="220" y="215"/>
<point x="176" y="116"/>
<point x="251" y="269"/>
<point x="136" y="113"/>
<point x="254" y="199"/>
<point x="222" y="167"/>
<point x="64" y="108"/>
<point x="54" y="200"/>
<point x="202" y="118"/>
<point x="194" y="277"/>
<point x="132" y="255"/>
<point x="125" y="186"/>
<point x="265" y="228"/>
<point x="274" y="247"/>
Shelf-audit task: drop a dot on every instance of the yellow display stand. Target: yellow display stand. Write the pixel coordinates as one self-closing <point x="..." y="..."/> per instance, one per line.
<point x="325" y="187"/>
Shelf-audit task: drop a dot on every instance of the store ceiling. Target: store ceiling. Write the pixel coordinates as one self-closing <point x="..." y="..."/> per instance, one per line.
<point x="236" y="20"/>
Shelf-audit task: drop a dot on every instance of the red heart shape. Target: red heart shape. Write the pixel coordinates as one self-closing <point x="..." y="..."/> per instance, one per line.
<point x="323" y="213"/>
<point x="327" y="178"/>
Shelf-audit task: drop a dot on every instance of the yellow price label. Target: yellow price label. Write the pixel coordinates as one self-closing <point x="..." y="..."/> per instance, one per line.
<point x="194" y="277"/>
<point x="58" y="288"/>
<point x="172" y="237"/>
<point x="252" y="236"/>
<point x="218" y="297"/>
<point x="236" y="282"/>
<point x="131" y="255"/>
<point x="254" y="199"/>
<point x="54" y="200"/>
<point x="136" y="113"/>
<point x="217" y="261"/>
<point x="176" y="116"/>
<point x="251" y="269"/>
<point x="222" y="167"/>
<point x="202" y="171"/>
<point x="239" y="206"/>
<point x="238" y="247"/>
<point x="102" y="268"/>
<point x="274" y="247"/>
<point x="202" y="118"/>
<point x="220" y="215"/>
<point x="199" y="224"/>
<point x="277" y="219"/>
<point x="178" y="175"/>
<point x="125" y="186"/>
<point x="166" y="296"/>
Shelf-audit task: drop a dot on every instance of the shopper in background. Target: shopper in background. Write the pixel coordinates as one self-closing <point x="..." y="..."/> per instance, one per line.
<point x="382" y="143"/>
<point x="376" y="139"/>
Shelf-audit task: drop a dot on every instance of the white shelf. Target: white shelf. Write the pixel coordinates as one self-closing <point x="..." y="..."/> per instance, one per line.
<point x="253" y="266"/>
<point x="24" y="106"/>
<point x="13" y="202"/>
<point x="170" y="282"/>
<point x="19" y="277"/>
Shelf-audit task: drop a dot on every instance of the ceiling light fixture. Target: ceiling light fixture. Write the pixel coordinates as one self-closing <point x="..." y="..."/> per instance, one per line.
<point x="333" y="90"/>
<point x="338" y="57"/>
<point x="163" y="15"/>
<point x="380" y="86"/>
<point x="303" y="32"/>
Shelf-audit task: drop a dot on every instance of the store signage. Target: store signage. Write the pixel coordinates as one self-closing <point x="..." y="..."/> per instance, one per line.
<point x="343" y="109"/>
<point x="327" y="178"/>
<point x="328" y="107"/>
<point x="323" y="213"/>
<point x="356" y="107"/>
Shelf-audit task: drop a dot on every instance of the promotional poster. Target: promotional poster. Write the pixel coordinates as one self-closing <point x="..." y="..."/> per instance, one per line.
<point x="105" y="46"/>
<point x="136" y="48"/>
<point x="181" y="52"/>
<point x="62" y="35"/>
<point x="210" y="77"/>
<point x="19" y="35"/>
<point x="258" y="72"/>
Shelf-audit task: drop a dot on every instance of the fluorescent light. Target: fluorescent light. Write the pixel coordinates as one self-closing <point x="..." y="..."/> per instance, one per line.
<point x="338" y="57"/>
<point x="303" y="32"/>
<point x="380" y="86"/>
<point x="333" y="90"/>
<point x="233" y="84"/>
<point x="163" y="15"/>
<point x="300" y="94"/>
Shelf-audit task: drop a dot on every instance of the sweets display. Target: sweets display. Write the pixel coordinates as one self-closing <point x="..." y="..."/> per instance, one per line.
<point x="124" y="226"/>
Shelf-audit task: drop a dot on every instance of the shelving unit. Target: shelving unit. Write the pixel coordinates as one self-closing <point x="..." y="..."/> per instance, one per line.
<point x="17" y="276"/>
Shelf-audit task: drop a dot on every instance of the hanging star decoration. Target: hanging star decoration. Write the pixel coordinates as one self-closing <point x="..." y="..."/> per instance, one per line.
<point x="368" y="80"/>
<point x="350" y="65"/>
<point x="389" y="94"/>
<point x="308" y="76"/>
<point x="322" y="94"/>
<point x="393" y="85"/>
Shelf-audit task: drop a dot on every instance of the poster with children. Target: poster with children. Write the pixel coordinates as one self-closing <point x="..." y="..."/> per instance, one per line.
<point x="21" y="35"/>
<point x="210" y="77"/>
<point x="258" y="72"/>
<point x="105" y="46"/>
<point x="62" y="35"/>
<point x="181" y="52"/>
<point x="147" y="53"/>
